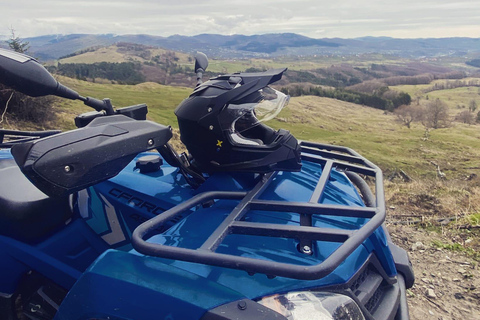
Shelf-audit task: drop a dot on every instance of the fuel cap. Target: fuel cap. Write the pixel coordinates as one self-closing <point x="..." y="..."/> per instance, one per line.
<point x="148" y="164"/>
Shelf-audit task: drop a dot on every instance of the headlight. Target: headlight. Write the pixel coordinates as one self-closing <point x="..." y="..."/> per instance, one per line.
<point x="314" y="305"/>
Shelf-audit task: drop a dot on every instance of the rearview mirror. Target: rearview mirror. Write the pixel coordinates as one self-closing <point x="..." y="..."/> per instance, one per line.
<point x="201" y="62"/>
<point x="26" y="75"/>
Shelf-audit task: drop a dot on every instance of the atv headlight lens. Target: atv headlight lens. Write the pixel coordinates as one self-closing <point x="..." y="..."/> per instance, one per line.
<point x="312" y="305"/>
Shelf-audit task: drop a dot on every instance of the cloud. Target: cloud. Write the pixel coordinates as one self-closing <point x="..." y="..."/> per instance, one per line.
<point x="315" y="18"/>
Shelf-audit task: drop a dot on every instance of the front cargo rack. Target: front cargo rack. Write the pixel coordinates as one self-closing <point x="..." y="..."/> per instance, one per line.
<point x="329" y="156"/>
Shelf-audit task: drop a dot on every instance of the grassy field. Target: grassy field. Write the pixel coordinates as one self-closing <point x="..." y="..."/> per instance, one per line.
<point x="379" y="137"/>
<point x="107" y="54"/>
<point x="452" y="97"/>
<point x="113" y="54"/>
<point x="161" y="100"/>
<point x="223" y="66"/>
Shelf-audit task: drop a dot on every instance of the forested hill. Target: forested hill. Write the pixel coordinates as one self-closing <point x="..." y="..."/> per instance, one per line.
<point x="266" y="45"/>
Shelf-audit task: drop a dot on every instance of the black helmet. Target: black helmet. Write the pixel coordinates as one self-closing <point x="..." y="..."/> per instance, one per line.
<point x="221" y="124"/>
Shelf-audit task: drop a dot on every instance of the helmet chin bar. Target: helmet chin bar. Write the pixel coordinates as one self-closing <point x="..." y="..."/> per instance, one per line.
<point x="239" y="140"/>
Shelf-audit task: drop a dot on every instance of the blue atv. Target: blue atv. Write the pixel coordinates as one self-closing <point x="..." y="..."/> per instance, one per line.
<point x="108" y="221"/>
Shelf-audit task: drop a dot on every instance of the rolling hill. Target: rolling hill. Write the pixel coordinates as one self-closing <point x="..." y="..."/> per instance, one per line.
<point x="266" y="45"/>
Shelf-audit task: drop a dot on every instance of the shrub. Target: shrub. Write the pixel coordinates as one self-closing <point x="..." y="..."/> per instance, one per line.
<point x="24" y="108"/>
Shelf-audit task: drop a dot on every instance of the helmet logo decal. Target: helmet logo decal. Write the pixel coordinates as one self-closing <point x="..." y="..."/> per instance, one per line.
<point x="219" y="144"/>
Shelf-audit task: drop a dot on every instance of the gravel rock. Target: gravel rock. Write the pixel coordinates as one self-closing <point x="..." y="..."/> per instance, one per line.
<point x="418" y="246"/>
<point x="458" y="296"/>
<point x="438" y="279"/>
<point x="430" y="293"/>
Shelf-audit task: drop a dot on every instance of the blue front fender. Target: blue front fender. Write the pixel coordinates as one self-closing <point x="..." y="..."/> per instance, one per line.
<point x="121" y="285"/>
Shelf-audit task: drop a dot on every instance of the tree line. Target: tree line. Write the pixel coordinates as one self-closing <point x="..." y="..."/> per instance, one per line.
<point x="453" y="84"/>
<point x="121" y="72"/>
<point x="474" y="63"/>
<point x="379" y="100"/>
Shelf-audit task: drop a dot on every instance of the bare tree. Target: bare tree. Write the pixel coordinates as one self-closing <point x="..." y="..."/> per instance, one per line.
<point x="472" y="106"/>
<point x="410" y="113"/>
<point x="465" y="116"/>
<point x="436" y="114"/>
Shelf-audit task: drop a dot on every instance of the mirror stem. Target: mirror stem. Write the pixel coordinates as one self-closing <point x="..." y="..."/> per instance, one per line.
<point x="99" y="105"/>
<point x="199" y="76"/>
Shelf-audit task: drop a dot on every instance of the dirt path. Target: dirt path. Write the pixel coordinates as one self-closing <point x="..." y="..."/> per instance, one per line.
<point x="447" y="283"/>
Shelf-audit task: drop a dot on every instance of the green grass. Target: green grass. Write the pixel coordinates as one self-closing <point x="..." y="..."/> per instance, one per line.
<point x="452" y="97"/>
<point x="457" y="247"/>
<point x="101" y="55"/>
<point x="299" y="63"/>
<point x="474" y="219"/>
<point x="112" y="54"/>
<point x="161" y="100"/>
<point x="456" y="97"/>
<point x="379" y="137"/>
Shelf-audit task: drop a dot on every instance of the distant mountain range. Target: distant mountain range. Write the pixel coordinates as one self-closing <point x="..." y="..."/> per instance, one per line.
<point x="266" y="45"/>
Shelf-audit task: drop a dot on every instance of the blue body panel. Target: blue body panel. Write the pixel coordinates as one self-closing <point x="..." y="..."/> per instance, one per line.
<point x="130" y="199"/>
<point x="122" y="283"/>
<point x="127" y="286"/>
<point x="61" y="256"/>
<point x="5" y="154"/>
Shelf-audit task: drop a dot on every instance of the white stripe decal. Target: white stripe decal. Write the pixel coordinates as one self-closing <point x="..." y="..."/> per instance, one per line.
<point x="83" y="203"/>
<point x="116" y="235"/>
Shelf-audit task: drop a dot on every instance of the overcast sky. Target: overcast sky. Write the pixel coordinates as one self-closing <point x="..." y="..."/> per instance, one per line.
<point x="313" y="18"/>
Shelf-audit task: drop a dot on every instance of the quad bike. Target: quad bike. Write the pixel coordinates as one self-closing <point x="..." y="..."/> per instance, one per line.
<point x="250" y="224"/>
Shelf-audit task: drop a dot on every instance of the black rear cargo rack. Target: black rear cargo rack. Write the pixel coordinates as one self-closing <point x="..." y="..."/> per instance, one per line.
<point x="329" y="157"/>
<point x="8" y="138"/>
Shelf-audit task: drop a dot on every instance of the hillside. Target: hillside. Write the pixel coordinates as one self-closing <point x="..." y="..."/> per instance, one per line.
<point x="374" y="133"/>
<point x="161" y="100"/>
<point x="125" y="52"/>
<point x="128" y="63"/>
<point x="380" y="137"/>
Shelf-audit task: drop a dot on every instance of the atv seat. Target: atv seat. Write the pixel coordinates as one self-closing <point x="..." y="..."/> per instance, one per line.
<point x="26" y="213"/>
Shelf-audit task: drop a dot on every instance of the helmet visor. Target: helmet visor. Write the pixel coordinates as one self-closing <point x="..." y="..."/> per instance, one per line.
<point x="246" y="115"/>
<point x="273" y="102"/>
<point x="240" y="119"/>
